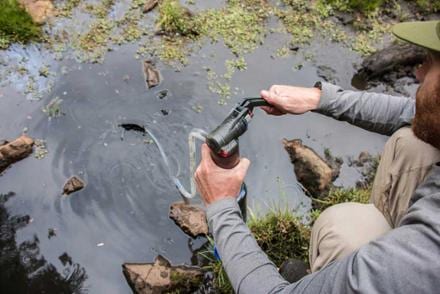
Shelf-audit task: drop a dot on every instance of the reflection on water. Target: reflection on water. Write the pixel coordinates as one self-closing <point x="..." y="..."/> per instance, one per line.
<point x="24" y="269"/>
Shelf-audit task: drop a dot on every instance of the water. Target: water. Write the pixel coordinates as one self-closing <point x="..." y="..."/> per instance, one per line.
<point x="124" y="207"/>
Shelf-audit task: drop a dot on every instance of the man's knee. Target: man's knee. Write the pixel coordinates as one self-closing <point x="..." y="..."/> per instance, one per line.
<point x="413" y="151"/>
<point x="342" y="229"/>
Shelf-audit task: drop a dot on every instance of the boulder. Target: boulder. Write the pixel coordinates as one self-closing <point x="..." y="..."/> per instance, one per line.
<point x="312" y="171"/>
<point x="72" y="185"/>
<point x="190" y="218"/>
<point x="161" y="277"/>
<point x="39" y="10"/>
<point x="14" y="151"/>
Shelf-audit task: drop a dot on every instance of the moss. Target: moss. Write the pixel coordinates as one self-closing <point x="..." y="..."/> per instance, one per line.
<point x="182" y="282"/>
<point x="240" y="24"/>
<point x="176" y="19"/>
<point x="16" y="25"/>
<point x="94" y="43"/>
<point x="428" y="6"/>
<point x="355" y="5"/>
<point x="66" y="9"/>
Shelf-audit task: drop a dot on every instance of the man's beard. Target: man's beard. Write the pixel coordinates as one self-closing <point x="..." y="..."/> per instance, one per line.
<point x="426" y="123"/>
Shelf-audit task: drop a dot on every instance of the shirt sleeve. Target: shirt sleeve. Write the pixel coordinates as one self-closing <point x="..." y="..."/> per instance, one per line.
<point x="402" y="261"/>
<point x="374" y="112"/>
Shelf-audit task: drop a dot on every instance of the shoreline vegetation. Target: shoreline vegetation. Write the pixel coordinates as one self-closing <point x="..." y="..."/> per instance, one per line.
<point x="172" y="31"/>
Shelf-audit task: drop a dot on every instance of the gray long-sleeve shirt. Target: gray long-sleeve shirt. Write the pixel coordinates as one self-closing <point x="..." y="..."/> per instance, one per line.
<point x="405" y="260"/>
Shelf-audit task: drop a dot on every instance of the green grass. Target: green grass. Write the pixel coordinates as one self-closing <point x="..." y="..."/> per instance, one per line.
<point x="176" y="19"/>
<point x="16" y="25"/>
<point x="281" y="234"/>
<point x="354" y="5"/>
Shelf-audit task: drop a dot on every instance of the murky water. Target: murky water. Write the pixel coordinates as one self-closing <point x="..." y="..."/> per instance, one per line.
<point x="124" y="207"/>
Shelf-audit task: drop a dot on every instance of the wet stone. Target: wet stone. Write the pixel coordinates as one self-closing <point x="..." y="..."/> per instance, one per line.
<point x="72" y="185"/>
<point x="39" y="10"/>
<point x="150" y="5"/>
<point x="312" y="171"/>
<point x="152" y="75"/>
<point x="14" y="151"/>
<point x="162" y="277"/>
<point x="190" y="218"/>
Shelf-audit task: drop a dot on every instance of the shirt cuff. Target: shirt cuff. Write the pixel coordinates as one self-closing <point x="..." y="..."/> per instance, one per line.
<point x="221" y="205"/>
<point x="328" y="93"/>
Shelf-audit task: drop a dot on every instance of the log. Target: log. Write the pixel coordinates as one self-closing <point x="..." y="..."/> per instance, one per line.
<point x="11" y="152"/>
<point x="390" y="58"/>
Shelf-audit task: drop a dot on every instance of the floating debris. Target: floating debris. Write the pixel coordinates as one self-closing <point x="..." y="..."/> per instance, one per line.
<point x="14" y="151"/>
<point x="51" y="232"/>
<point x="164" y="111"/>
<point x="152" y="75"/>
<point x="190" y="218"/>
<point x="162" y="94"/>
<point x="162" y="277"/>
<point x="197" y="108"/>
<point x="99" y="244"/>
<point x="72" y="185"/>
<point x="40" y="149"/>
<point x="53" y="108"/>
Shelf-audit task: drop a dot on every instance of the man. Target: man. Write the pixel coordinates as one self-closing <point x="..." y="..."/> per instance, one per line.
<point x="389" y="246"/>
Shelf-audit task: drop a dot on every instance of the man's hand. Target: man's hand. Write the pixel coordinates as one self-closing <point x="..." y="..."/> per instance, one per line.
<point x="215" y="183"/>
<point x="288" y="99"/>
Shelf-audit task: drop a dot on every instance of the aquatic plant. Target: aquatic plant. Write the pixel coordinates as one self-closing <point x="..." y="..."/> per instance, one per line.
<point x="355" y="5"/>
<point x="16" y="25"/>
<point x="176" y="19"/>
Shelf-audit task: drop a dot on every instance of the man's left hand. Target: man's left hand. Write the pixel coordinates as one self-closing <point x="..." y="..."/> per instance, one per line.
<point x="215" y="183"/>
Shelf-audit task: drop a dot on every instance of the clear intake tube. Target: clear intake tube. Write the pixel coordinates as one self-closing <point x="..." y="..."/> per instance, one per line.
<point x="193" y="135"/>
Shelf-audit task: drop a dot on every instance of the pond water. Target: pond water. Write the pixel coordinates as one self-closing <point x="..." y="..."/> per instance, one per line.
<point x="122" y="213"/>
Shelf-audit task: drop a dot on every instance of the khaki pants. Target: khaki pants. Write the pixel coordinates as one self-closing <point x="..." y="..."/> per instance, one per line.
<point x="343" y="228"/>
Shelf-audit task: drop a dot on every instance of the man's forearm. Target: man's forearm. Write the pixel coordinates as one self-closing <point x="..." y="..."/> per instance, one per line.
<point x="379" y="113"/>
<point x="243" y="260"/>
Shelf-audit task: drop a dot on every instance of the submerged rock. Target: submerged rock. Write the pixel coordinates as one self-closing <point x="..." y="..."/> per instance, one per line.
<point x="150" y="5"/>
<point x="190" y="218"/>
<point x="72" y="185"/>
<point x="39" y="10"/>
<point x="14" y="151"/>
<point x="314" y="174"/>
<point x="162" y="277"/>
<point x="152" y="75"/>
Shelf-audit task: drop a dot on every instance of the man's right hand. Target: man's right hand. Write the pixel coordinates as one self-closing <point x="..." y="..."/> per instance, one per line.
<point x="289" y="99"/>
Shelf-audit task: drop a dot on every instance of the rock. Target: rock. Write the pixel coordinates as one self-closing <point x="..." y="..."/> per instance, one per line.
<point x="162" y="277"/>
<point x="391" y="58"/>
<point x="14" y="151"/>
<point x="293" y="270"/>
<point x="190" y="218"/>
<point x="72" y="185"/>
<point x="39" y="10"/>
<point x="311" y="170"/>
<point x="150" y="5"/>
<point x="152" y="75"/>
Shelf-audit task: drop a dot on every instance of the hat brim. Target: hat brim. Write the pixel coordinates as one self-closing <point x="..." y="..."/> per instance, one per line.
<point x="422" y="33"/>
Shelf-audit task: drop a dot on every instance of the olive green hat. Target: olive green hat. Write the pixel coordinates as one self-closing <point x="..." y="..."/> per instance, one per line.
<point x="422" y="33"/>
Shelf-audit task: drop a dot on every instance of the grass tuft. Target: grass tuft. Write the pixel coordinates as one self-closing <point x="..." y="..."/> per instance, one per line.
<point x="16" y="25"/>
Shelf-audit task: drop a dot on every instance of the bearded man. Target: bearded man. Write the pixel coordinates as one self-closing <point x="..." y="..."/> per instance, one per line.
<point x="391" y="245"/>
